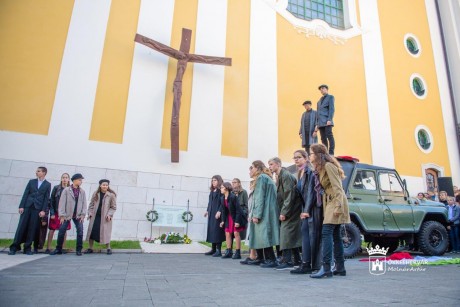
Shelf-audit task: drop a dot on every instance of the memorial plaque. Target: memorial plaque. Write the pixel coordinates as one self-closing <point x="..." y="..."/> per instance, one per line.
<point x="169" y="216"/>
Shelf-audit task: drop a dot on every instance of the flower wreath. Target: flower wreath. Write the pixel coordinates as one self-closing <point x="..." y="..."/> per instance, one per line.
<point x="184" y="216"/>
<point x="152" y="218"/>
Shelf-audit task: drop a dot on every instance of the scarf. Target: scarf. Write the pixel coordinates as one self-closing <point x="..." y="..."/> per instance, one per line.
<point x="318" y="189"/>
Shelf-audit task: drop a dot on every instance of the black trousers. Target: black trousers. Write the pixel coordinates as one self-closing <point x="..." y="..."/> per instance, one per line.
<point x="27" y="229"/>
<point x="327" y="138"/>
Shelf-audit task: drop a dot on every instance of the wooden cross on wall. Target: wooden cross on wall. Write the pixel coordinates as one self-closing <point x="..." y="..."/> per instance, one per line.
<point x="183" y="57"/>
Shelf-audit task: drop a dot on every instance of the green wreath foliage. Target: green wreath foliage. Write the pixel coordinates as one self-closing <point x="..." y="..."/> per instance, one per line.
<point x="152" y="216"/>
<point x="190" y="216"/>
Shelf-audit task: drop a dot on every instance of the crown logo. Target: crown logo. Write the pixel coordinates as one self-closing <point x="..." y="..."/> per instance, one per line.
<point x="377" y="250"/>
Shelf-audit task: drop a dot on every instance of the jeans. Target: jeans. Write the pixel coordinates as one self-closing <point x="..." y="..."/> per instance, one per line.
<point x="327" y="138"/>
<point x="63" y="229"/>
<point x="454" y="237"/>
<point x="329" y="234"/>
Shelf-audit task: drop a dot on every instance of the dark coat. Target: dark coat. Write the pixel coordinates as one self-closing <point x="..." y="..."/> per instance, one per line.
<point x="54" y="199"/>
<point x="308" y="130"/>
<point x="290" y="234"/>
<point x="325" y="111"/>
<point x="243" y="200"/>
<point x="315" y="221"/>
<point x="215" y="234"/>
<point x="234" y="209"/>
<point x="33" y="196"/>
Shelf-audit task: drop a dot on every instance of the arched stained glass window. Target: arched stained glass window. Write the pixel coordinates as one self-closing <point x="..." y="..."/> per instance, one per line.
<point x="331" y="11"/>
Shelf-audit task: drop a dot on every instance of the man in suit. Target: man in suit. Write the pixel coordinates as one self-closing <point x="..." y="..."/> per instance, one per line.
<point x="33" y="205"/>
<point x="308" y="131"/>
<point x="324" y="118"/>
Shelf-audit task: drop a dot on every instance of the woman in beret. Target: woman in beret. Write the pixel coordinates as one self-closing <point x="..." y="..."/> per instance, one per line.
<point x="100" y="213"/>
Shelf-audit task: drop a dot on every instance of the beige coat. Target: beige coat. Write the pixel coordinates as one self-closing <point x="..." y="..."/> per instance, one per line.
<point x="334" y="198"/>
<point x="109" y="206"/>
<point x="67" y="204"/>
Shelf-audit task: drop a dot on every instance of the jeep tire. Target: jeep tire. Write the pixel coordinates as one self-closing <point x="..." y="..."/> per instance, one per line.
<point x="432" y="238"/>
<point x="351" y="240"/>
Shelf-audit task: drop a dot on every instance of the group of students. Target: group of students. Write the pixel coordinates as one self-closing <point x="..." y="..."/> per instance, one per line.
<point x="292" y="213"/>
<point x="40" y="207"/>
<point x="453" y="215"/>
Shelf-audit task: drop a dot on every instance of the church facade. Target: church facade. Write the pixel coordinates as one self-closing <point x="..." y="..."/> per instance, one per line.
<point x="79" y="95"/>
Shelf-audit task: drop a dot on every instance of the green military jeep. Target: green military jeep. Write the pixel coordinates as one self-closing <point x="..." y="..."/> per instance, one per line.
<point x="383" y="213"/>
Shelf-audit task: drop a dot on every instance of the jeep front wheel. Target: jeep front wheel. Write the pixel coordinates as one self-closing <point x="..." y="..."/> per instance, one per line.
<point x="432" y="238"/>
<point x="351" y="236"/>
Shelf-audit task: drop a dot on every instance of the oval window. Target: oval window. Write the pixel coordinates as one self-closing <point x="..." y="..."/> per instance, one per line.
<point x="412" y="45"/>
<point x="424" y="138"/>
<point x="418" y="86"/>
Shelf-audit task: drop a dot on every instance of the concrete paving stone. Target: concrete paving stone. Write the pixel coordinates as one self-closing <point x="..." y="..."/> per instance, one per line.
<point x="137" y="303"/>
<point x="136" y="293"/>
<point x="173" y="303"/>
<point x="163" y="296"/>
<point x="197" y="280"/>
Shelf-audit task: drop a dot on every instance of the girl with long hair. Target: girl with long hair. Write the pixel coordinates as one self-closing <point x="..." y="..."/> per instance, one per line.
<point x="329" y="190"/>
<point x="54" y="222"/>
<point x="264" y="225"/>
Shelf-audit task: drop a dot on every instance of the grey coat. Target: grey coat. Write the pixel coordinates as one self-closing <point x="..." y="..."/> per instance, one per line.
<point x="67" y="204"/>
<point x="325" y="111"/>
<point x="308" y="130"/>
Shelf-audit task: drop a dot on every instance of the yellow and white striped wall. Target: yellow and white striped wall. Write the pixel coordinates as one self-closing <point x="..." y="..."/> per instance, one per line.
<point x="77" y="90"/>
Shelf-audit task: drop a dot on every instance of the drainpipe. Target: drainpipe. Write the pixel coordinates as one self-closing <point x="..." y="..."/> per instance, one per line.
<point x="449" y="79"/>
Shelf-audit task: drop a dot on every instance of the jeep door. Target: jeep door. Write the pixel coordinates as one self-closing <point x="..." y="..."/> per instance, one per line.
<point x="397" y="213"/>
<point x="363" y="199"/>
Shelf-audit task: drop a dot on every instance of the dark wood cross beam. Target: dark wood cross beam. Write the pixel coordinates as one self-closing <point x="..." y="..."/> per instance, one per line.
<point x="183" y="57"/>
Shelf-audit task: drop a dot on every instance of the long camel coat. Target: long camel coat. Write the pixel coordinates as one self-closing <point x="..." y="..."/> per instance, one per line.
<point x="334" y="198"/>
<point x="109" y="206"/>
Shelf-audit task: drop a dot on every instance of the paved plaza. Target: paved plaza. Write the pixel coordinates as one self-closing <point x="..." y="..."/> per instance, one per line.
<point x="124" y="279"/>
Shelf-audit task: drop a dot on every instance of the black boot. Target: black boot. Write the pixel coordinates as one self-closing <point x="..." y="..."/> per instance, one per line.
<point x="325" y="271"/>
<point x="217" y="253"/>
<point x="237" y="254"/>
<point x="228" y="254"/>
<point x="211" y="252"/>
<point x="296" y="255"/>
<point x="340" y="269"/>
<point x="304" y="268"/>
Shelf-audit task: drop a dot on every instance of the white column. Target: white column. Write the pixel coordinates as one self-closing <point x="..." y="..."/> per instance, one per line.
<point x="78" y="78"/>
<point x="447" y="112"/>
<point x="263" y="94"/>
<point x="205" y="133"/>
<point x="376" y="85"/>
<point x="144" y="114"/>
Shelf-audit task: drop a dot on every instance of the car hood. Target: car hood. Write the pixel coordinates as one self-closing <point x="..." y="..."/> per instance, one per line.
<point x="430" y="203"/>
